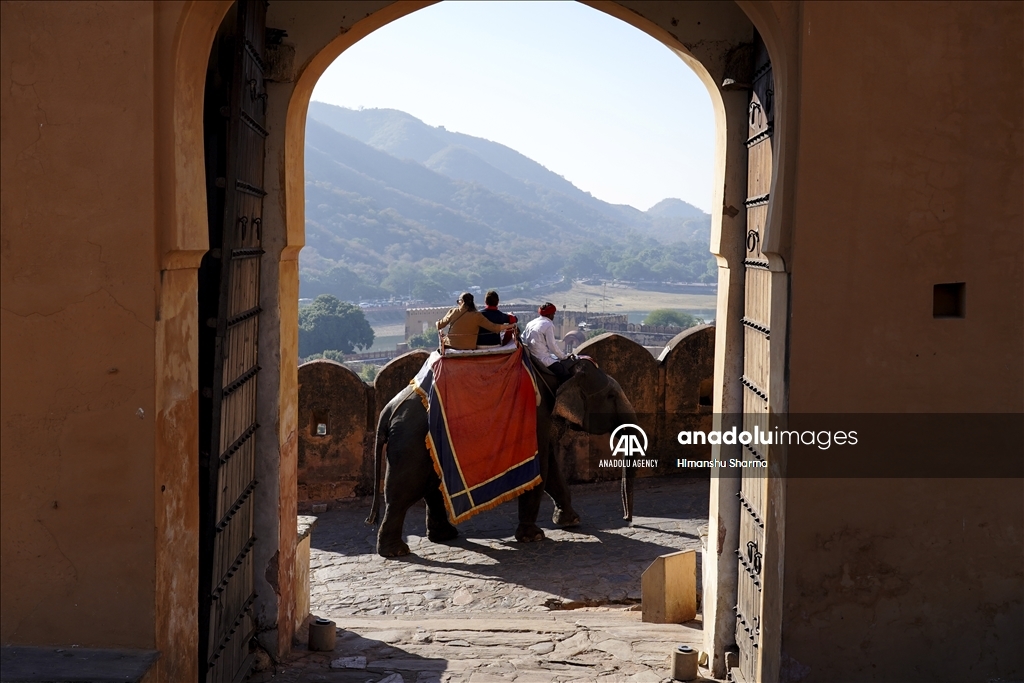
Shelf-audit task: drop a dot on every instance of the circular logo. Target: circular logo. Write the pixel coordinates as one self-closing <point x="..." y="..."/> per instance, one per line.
<point x="626" y="440"/>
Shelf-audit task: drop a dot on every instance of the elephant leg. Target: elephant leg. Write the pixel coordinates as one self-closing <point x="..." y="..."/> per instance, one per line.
<point x="404" y="484"/>
<point x="529" y="502"/>
<point x="439" y="529"/>
<point x="554" y="485"/>
<point x="389" y="537"/>
<point x="529" y="507"/>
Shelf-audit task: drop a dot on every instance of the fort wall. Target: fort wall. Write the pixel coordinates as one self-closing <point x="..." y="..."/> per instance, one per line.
<point x="338" y="413"/>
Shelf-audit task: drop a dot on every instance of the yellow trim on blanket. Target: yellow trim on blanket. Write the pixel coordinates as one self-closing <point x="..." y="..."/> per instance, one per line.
<point x="419" y="392"/>
<point x="500" y="475"/>
<point x="514" y="493"/>
<point x="436" y="462"/>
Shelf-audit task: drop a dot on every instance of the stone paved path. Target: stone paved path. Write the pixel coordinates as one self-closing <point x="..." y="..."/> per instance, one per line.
<point x="485" y="608"/>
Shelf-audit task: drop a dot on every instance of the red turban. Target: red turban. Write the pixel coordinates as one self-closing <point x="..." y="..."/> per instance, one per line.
<point x="547" y="310"/>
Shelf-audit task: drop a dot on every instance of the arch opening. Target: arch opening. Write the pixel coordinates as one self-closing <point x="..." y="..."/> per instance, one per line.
<point x="326" y="120"/>
<point x="295" y="75"/>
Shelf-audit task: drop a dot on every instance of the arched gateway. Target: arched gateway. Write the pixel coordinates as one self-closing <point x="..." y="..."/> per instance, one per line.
<point x="255" y="102"/>
<point x="868" y="160"/>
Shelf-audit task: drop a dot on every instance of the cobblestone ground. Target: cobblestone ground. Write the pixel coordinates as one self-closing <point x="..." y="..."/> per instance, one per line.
<point x="486" y="608"/>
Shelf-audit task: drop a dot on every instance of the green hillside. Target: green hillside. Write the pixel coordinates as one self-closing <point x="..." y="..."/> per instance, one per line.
<point x="398" y="208"/>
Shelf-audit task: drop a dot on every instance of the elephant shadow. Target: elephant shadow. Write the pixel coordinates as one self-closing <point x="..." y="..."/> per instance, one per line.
<point x="599" y="562"/>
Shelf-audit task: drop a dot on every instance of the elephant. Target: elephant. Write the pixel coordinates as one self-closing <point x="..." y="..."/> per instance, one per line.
<point x="589" y="400"/>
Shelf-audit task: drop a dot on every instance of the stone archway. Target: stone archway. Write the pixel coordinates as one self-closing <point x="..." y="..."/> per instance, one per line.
<point x="103" y="229"/>
<point x="706" y="35"/>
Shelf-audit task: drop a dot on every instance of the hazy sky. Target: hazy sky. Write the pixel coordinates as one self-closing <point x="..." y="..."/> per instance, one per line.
<point x="588" y="96"/>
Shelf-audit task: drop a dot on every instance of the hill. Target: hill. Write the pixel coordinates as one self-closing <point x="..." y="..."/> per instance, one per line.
<point x="397" y="207"/>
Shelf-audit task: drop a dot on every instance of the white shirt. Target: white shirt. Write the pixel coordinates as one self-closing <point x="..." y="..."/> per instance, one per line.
<point x="539" y="337"/>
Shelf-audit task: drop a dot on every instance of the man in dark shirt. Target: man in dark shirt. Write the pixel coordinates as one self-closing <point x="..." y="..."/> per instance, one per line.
<point x="492" y="313"/>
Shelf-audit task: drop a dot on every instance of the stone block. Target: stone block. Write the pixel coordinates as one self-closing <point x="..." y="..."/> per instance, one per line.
<point x="305" y="528"/>
<point x="668" y="589"/>
<point x="28" y="663"/>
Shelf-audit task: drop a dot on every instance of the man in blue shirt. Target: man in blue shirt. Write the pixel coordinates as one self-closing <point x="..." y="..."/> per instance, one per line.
<point x="492" y="313"/>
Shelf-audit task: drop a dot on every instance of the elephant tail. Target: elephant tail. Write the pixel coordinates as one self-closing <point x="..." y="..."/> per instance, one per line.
<point x="626" y="491"/>
<point x="379" y="450"/>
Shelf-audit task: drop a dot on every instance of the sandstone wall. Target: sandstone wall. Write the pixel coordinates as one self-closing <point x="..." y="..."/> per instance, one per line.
<point x="80" y="324"/>
<point x="929" y="193"/>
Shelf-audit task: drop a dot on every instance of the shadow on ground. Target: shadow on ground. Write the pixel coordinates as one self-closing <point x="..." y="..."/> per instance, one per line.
<point x="486" y="570"/>
<point x="356" y="659"/>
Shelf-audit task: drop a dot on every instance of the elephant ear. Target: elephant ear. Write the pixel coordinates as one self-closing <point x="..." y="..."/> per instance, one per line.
<point x="569" y="403"/>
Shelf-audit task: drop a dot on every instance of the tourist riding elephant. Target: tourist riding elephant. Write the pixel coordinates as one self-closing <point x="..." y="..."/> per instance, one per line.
<point x="589" y="400"/>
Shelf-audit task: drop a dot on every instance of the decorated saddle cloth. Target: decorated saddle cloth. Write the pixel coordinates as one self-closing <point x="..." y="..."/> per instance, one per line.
<point x="482" y="437"/>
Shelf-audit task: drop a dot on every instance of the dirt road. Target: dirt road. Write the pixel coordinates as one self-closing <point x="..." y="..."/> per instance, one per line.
<point x="618" y="298"/>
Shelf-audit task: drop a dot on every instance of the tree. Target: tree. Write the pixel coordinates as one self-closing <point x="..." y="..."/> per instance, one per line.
<point x="710" y="274"/>
<point x="340" y="281"/>
<point x="330" y="324"/>
<point x="584" y="261"/>
<point x="423" y="341"/>
<point x="367" y="372"/>
<point x="668" y="316"/>
<point x="630" y="268"/>
<point x="330" y="354"/>
<point x="430" y="291"/>
<point x="449" y="280"/>
<point x="401" y="277"/>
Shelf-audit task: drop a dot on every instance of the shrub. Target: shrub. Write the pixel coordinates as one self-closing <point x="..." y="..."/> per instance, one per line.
<point x="668" y="316"/>
<point x="423" y="341"/>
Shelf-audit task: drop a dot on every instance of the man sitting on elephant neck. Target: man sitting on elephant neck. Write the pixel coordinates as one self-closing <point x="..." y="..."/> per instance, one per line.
<point x="464" y="324"/>
<point x="492" y="313"/>
<point x="539" y="338"/>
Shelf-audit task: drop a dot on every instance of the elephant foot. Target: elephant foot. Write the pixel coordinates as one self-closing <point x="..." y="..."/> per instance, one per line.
<point x="443" y="534"/>
<point x="529" y="533"/>
<point x="565" y="518"/>
<point x="398" y="549"/>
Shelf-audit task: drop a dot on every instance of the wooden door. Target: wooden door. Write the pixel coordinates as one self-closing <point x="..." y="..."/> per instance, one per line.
<point x="229" y="322"/>
<point x="757" y="375"/>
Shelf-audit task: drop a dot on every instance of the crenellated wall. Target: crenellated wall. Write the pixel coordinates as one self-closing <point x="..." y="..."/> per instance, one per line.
<point x="670" y="394"/>
<point x="338" y="412"/>
<point x="335" y="408"/>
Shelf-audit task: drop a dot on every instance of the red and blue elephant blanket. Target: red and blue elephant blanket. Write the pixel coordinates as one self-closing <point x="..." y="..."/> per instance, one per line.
<point x="482" y="437"/>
